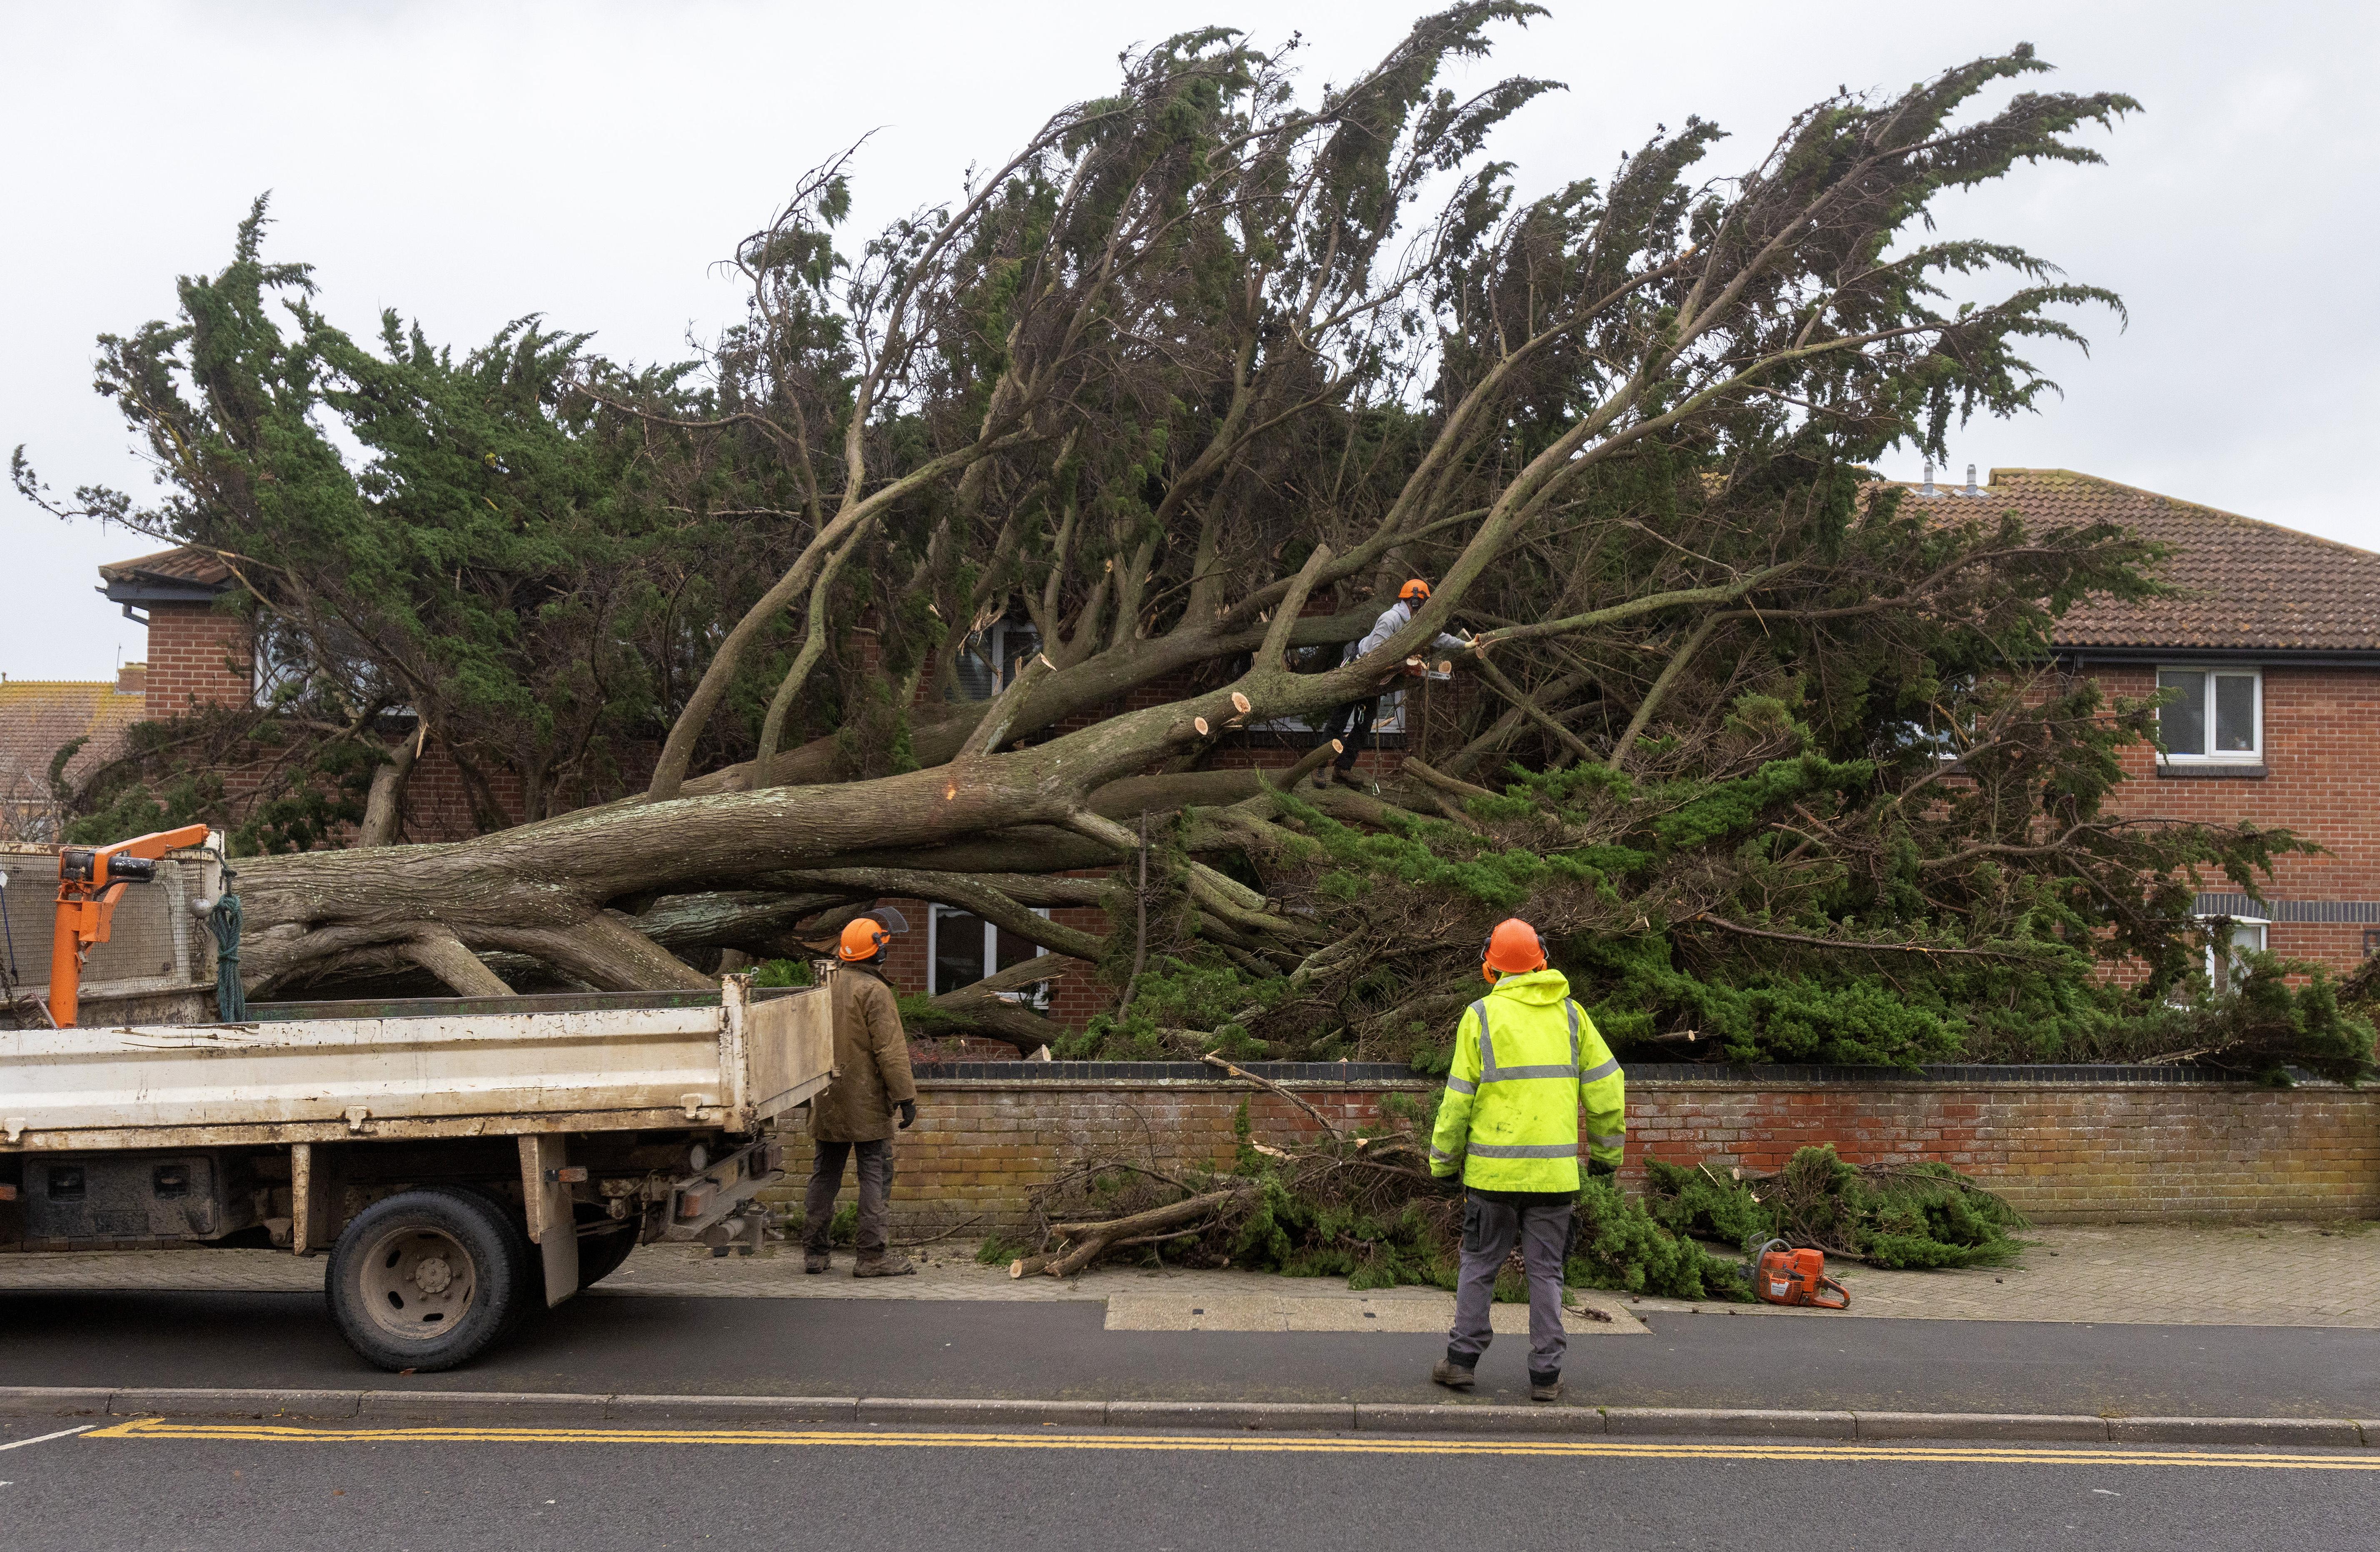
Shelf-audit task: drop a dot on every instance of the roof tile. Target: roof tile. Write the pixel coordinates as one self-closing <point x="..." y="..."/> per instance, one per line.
<point x="2245" y="585"/>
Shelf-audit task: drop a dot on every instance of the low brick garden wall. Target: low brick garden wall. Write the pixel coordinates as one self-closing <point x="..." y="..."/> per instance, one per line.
<point x="2064" y="1144"/>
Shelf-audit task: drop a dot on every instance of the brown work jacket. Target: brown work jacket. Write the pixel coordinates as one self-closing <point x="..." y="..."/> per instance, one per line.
<point x="871" y="1060"/>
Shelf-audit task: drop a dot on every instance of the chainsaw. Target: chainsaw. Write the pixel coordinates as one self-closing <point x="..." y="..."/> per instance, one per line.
<point x="1784" y="1276"/>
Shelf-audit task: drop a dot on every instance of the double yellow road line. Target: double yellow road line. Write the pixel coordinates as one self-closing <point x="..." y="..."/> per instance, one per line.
<point x="1269" y="1443"/>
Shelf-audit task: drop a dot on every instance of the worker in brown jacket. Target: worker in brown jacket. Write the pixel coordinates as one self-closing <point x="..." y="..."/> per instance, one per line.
<point x="871" y="1080"/>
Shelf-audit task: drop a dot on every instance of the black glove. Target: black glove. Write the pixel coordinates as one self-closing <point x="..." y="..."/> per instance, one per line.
<point x="908" y="1113"/>
<point x="1596" y="1168"/>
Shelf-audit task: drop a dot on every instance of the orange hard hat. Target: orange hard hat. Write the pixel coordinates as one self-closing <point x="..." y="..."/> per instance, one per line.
<point x="1413" y="589"/>
<point x="864" y="937"/>
<point x="1512" y="949"/>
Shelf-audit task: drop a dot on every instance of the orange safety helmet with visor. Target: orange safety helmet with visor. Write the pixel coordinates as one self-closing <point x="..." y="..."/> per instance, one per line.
<point x="1414" y="592"/>
<point x="1514" y="948"/>
<point x="864" y="937"/>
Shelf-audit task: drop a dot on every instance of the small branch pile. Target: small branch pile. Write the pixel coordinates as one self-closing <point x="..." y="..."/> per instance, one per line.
<point x="1906" y="1215"/>
<point x="1364" y="1208"/>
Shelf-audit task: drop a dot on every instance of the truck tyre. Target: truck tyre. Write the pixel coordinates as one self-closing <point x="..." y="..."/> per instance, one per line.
<point x="528" y="1268"/>
<point x="425" y="1279"/>
<point x="603" y="1242"/>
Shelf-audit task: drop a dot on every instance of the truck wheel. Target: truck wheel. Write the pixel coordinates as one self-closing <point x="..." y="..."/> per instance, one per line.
<point x="424" y="1279"/>
<point x="600" y="1253"/>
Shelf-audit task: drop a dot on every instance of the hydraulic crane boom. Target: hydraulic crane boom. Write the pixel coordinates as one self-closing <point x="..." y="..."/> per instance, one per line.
<point x="91" y="880"/>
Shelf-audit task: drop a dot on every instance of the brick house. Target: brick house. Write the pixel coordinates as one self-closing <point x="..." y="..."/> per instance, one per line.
<point x="2272" y="651"/>
<point x="201" y="654"/>
<point x="38" y="718"/>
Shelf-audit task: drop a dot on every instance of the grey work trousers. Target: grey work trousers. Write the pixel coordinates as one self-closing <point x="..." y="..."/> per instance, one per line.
<point x="875" y="1193"/>
<point x="1489" y="1229"/>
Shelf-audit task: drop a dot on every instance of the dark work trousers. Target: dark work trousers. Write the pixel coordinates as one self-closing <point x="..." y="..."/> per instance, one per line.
<point x="1357" y="722"/>
<point x="1542" y="1224"/>
<point x="875" y="1193"/>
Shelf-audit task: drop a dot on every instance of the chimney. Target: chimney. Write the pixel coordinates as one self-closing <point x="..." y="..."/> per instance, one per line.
<point x="1927" y="488"/>
<point x="132" y="679"/>
<point x="1971" y="481"/>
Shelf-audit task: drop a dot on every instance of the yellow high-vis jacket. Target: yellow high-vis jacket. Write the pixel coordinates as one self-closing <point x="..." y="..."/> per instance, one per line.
<point x="1527" y="1059"/>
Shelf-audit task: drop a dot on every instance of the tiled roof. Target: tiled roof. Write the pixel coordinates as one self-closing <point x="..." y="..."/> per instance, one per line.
<point x="2245" y="585"/>
<point x="38" y="717"/>
<point x="180" y="564"/>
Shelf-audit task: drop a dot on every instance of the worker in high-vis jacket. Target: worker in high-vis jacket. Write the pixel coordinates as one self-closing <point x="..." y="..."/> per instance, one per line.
<point x="1528" y="1062"/>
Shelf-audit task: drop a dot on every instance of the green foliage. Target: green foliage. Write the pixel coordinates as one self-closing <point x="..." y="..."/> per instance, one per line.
<point x="843" y="1229"/>
<point x="1915" y="1216"/>
<point x="782" y="972"/>
<point x="1620" y="1245"/>
<point x="2276" y="1014"/>
<point x="303" y="785"/>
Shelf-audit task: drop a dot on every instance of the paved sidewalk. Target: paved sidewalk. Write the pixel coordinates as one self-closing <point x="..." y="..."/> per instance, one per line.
<point x="2284" y="1275"/>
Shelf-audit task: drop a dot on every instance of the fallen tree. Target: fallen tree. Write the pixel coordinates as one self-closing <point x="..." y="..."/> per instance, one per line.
<point x="958" y="560"/>
<point x="1912" y="1216"/>
<point x="1362" y="1207"/>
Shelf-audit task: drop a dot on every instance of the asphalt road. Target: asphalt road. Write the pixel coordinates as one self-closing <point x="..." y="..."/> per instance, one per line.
<point x="1169" y="1495"/>
<point x="819" y="1347"/>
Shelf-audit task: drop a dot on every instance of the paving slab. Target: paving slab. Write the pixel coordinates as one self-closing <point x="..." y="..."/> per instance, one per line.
<point x="54" y="1400"/>
<point x="471" y="1406"/>
<point x="972" y="1412"/>
<point x="736" y="1411"/>
<point x="1459" y="1417"/>
<point x="1231" y="1415"/>
<point x="2233" y="1430"/>
<point x="2047" y="1427"/>
<point x="1731" y="1423"/>
<point x="235" y="1403"/>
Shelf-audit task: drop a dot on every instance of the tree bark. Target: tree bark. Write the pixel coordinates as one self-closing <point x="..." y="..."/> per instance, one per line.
<point x="385" y="804"/>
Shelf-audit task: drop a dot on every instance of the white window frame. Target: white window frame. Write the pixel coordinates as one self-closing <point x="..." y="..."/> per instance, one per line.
<point x="2212" y="756"/>
<point x="993" y="639"/>
<point x="934" y="914"/>
<point x="2218" y="979"/>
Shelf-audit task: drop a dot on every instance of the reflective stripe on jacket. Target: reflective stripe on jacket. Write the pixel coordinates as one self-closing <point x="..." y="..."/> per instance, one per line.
<point x="1527" y="1059"/>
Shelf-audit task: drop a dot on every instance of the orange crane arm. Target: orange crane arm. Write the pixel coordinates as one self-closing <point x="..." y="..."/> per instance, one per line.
<point x="91" y="880"/>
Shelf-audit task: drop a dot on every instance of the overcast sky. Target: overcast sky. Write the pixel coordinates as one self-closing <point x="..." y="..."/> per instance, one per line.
<point x="467" y="164"/>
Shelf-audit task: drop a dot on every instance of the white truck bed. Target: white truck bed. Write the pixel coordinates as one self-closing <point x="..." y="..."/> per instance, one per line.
<point x="450" y="1067"/>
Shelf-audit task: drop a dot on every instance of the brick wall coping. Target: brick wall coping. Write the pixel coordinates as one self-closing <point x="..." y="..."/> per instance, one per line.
<point x="1373" y="1075"/>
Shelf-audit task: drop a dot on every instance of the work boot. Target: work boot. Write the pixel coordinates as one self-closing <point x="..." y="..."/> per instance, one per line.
<point x="883" y="1264"/>
<point x="1453" y="1376"/>
<point x="1545" y="1387"/>
<point x="814" y="1262"/>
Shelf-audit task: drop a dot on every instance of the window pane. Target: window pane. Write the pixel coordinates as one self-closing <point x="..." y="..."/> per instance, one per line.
<point x="1015" y="949"/>
<point x="2182" y="722"/>
<point x="958" y="950"/>
<point x="973" y="671"/>
<point x="2235" y="712"/>
<point x="2247" y="937"/>
<point x="1012" y="949"/>
<point x="1017" y="644"/>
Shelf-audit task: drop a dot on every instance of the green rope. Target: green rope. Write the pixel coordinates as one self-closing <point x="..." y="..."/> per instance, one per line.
<point x="231" y="1001"/>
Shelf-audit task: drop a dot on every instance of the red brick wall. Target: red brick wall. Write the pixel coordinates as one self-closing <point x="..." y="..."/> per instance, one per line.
<point x="2063" y="1153"/>
<point x="197" y="657"/>
<point x="2322" y="754"/>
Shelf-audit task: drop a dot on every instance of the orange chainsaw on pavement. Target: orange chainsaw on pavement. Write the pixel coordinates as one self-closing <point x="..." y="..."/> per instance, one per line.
<point x="1781" y="1275"/>
<point x="91" y="880"/>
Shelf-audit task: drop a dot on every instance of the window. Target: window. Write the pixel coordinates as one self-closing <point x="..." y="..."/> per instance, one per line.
<point x="2213" y="713"/>
<point x="961" y="948"/>
<point x="988" y="661"/>
<point x="2247" y="937"/>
